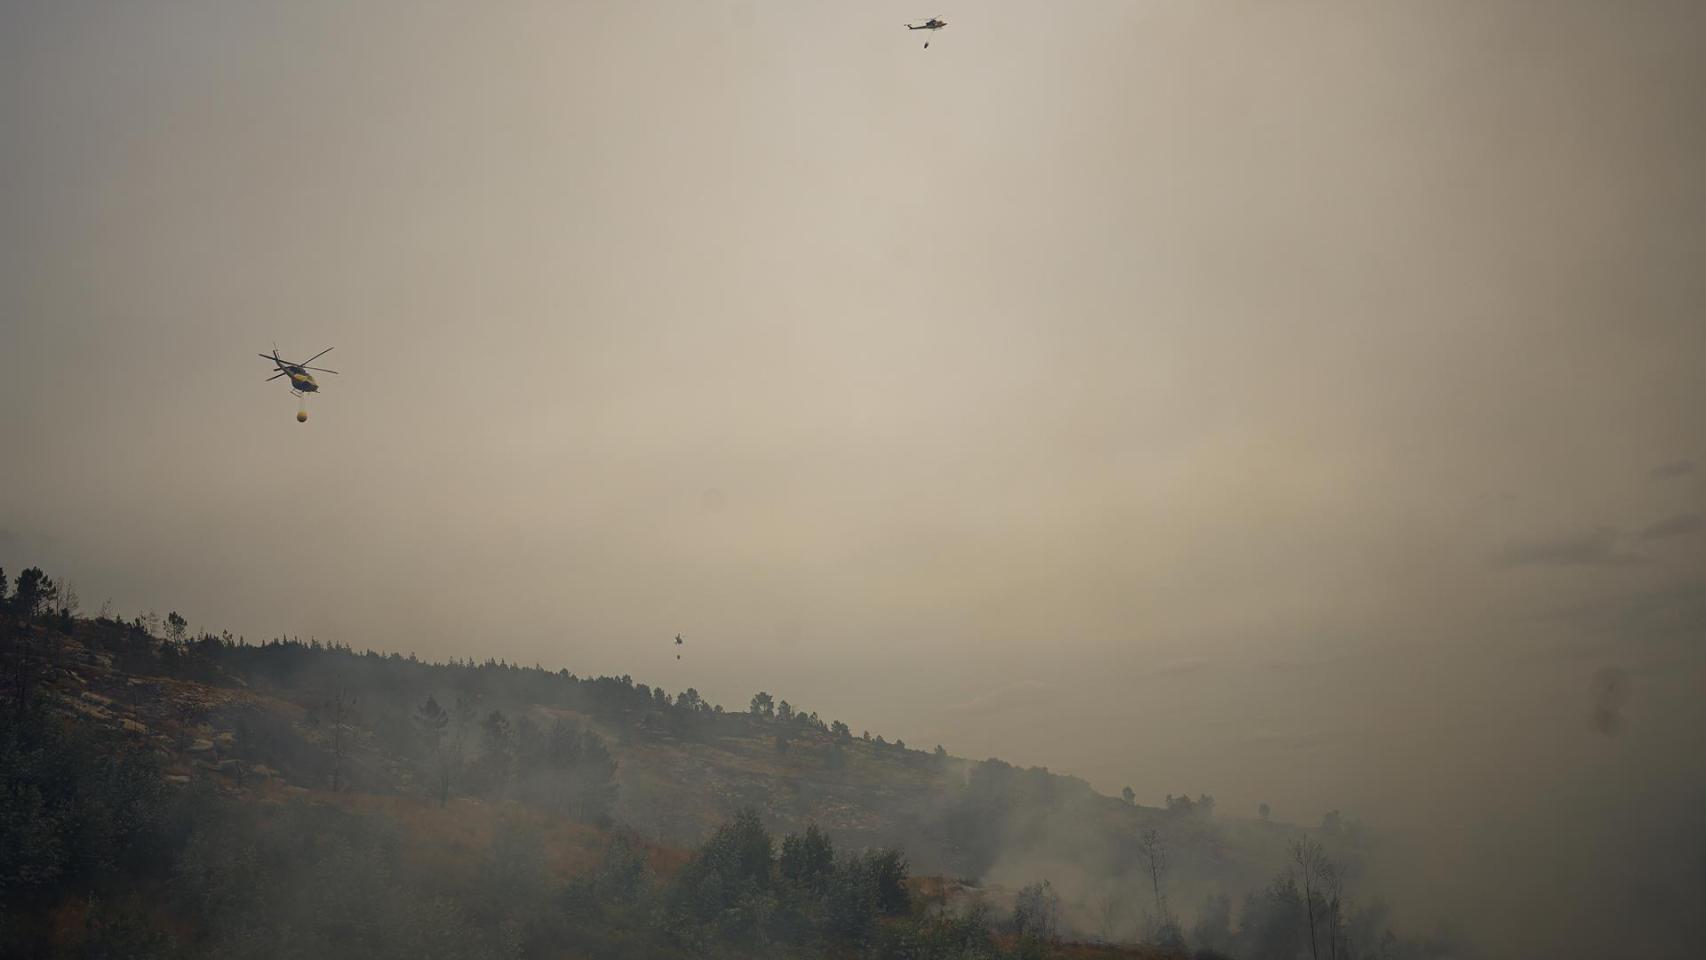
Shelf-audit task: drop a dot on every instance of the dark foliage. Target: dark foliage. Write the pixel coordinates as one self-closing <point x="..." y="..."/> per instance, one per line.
<point x="101" y="856"/>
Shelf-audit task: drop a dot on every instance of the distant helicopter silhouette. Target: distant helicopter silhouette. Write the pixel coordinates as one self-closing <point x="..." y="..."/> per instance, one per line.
<point x="934" y="23"/>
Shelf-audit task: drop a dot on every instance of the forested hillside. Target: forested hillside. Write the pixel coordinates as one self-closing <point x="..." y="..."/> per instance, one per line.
<point x="169" y="794"/>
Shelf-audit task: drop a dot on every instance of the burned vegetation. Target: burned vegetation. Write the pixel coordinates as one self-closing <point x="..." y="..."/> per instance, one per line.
<point x="164" y="793"/>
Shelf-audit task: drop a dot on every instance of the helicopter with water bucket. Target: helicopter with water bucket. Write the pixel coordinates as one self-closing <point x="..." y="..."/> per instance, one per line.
<point x="301" y="381"/>
<point x="933" y="24"/>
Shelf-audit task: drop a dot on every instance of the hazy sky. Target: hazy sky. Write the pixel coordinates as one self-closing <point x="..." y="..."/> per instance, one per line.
<point x="1296" y="402"/>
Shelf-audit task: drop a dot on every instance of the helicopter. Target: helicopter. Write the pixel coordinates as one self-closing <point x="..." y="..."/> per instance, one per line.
<point x="678" y="642"/>
<point x="934" y="23"/>
<point x="301" y="381"/>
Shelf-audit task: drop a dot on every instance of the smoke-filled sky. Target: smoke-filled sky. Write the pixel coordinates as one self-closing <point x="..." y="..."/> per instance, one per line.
<point x="1297" y="402"/>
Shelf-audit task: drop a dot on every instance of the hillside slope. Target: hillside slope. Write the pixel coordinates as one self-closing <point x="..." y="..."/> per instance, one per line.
<point x="290" y="720"/>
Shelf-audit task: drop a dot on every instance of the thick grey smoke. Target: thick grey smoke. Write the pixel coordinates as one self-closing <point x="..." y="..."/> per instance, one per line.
<point x="1283" y="402"/>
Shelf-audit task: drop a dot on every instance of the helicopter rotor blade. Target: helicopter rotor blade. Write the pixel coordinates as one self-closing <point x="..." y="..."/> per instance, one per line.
<point x="315" y="357"/>
<point x="274" y="377"/>
<point x="320" y="369"/>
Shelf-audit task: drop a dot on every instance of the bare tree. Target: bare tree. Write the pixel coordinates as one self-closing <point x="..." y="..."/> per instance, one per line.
<point x="1152" y="847"/>
<point x="1333" y="892"/>
<point x="1313" y="868"/>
